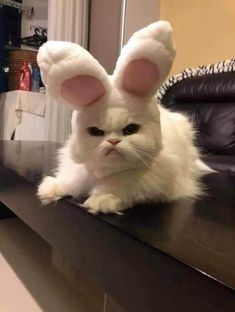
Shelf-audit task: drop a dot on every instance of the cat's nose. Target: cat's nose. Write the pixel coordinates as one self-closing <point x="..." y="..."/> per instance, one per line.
<point x="113" y="141"/>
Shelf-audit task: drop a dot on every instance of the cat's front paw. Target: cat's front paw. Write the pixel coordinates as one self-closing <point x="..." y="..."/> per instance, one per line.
<point x="105" y="203"/>
<point x="50" y="190"/>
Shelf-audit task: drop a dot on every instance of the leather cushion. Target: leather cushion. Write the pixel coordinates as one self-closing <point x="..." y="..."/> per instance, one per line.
<point x="220" y="162"/>
<point x="214" y="124"/>
<point x="200" y="89"/>
<point x="209" y="101"/>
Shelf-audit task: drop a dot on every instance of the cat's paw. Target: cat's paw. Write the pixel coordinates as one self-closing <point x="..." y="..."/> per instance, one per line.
<point x="49" y="190"/>
<point x="105" y="203"/>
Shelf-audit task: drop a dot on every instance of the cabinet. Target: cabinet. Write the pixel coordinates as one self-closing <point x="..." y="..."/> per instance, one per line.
<point x="22" y="112"/>
<point x="10" y="33"/>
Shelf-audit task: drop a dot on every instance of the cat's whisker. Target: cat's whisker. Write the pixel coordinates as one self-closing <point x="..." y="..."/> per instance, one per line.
<point x="147" y="154"/>
<point x="140" y="151"/>
<point x="155" y="175"/>
<point x="99" y="148"/>
<point x="138" y="156"/>
<point x="144" y="162"/>
<point x="150" y="156"/>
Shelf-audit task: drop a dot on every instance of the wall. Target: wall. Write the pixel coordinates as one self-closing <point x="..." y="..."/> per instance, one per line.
<point x="139" y="14"/>
<point x="105" y="31"/>
<point x="204" y="31"/>
<point x="39" y="18"/>
<point x="105" y="25"/>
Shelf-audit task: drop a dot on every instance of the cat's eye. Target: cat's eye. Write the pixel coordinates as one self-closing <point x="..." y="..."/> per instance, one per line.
<point x="94" y="131"/>
<point x="131" y="129"/>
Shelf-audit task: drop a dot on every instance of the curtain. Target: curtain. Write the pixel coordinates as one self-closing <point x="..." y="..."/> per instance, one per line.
<point x="67" y="21"/>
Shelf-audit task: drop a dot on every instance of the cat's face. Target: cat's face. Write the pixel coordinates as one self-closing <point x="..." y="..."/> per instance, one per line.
<point x="117" y="133"/>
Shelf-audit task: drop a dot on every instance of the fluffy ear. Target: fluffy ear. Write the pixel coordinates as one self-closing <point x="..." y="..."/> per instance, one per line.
<point x="146" y="60"/>
<point x="71" y="73"/>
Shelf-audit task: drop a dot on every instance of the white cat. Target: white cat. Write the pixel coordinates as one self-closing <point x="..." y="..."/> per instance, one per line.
<point x="125" y="147"/>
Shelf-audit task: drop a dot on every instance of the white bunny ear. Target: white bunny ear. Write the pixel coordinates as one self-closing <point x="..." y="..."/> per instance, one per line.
<point x="70" y="72"/>
<point x="146" y="60"/>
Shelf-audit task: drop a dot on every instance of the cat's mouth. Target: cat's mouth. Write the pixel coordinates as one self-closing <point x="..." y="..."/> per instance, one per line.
<point x="112" y="151"/>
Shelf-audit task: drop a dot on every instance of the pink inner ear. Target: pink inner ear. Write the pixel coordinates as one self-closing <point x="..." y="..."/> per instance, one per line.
<point x="140" y="77"/>
<point x="82" y="90"/>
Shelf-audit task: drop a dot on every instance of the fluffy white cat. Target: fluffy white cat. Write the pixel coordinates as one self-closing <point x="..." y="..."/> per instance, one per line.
<point x="125" y="148"/>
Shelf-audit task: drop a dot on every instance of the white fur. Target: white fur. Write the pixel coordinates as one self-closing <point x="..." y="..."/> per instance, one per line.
<point x="60" y="60"/>
<point x="153" y="43"/>
<point x="158" y="163"/>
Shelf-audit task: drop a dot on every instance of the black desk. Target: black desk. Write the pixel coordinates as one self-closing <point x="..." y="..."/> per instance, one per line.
<point x="176" y="257"/>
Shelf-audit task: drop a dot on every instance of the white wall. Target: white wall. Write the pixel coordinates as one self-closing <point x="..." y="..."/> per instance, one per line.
<point x="39" y="18"/>
<point x="105" y="32"/>
<point x="140" y="13"/>
<point x="105" y="25"/>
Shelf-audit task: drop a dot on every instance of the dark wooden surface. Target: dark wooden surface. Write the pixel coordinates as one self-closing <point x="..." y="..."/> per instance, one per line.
<point x="5" y="212"/>
<point x="154" y="257"/>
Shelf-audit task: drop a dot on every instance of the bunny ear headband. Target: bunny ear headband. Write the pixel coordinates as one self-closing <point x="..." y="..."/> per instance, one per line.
<point x="70" y="72"/>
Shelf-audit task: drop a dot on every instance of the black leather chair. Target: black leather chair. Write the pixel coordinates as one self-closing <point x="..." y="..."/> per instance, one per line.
<point x="209" y="101"/>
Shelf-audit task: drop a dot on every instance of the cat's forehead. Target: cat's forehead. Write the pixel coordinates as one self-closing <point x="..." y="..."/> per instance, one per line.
<point x="115" y="118"/>
<point x="107" y="117"/>
<point x="113" y="111"/>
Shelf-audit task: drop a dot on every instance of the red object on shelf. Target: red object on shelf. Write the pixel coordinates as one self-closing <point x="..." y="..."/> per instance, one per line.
<point x="25" y="77"/>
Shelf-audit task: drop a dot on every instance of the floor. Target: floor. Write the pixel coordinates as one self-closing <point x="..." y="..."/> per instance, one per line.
<point x="33" y="278"/>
